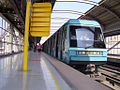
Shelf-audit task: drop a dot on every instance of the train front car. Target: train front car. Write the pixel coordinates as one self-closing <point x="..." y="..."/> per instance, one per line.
<point x="86" y="44"/>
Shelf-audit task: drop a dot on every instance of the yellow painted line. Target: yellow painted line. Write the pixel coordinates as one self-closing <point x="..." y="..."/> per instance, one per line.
<point x="52" y="76"/>
<point x="7" y="65"/>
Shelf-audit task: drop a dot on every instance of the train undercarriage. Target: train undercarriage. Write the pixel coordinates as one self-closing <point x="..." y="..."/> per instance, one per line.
<point x="90" y="70"/>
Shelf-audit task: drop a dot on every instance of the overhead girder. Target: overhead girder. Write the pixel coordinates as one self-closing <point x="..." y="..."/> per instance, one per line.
<point x="22" y="6"/>
<point x="106" y="8"/>
<point x="94" y="18"/>
<point x="110" y="10"/>
<point x="68" y="11"/>
<point x="6" y="11"/>
<point x="17" y="10"/>
<point x="113" y="46"/>
<point x="80" y="1"/>
<point x="88" y="2"/>
<point x="91" y="16"/>
<point x="76" y="12"/>
<point x="59" y="18"/>
<point x="13" y="23"/>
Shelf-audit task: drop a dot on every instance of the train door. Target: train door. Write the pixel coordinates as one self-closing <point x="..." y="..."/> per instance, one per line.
<point x="51" y="46"/>
<point x="47" y="47"/>
<point x="64" y="43"/>
<point x="57" y="45"/>
<point x="54" y="41"/>
<point x="61" y="44"/>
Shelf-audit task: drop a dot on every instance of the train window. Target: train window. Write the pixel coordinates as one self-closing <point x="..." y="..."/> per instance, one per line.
<point x="60" y="42"/>
<point x="53" y="43"/>
<point x="64" y="38"/>
<point x="58" y="38"/>
<point x="85" y="37"/>
<point x="98" y="35"/>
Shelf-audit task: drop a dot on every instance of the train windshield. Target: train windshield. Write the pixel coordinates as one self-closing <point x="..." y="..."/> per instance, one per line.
<point x="86" y="37"/>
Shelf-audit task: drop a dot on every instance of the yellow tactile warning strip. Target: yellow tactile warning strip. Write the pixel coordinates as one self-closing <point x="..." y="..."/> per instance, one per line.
<point x="52" y="75"/>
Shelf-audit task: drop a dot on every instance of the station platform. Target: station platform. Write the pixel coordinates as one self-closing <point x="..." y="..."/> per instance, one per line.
<point x="45" y="73"/>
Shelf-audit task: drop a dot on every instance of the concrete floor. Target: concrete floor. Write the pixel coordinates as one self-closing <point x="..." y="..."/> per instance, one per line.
<point x="42" y="75"/>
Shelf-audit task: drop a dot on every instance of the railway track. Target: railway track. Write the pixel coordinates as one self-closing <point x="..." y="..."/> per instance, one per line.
<point x="112" y="67"/>
<point x="112" y="75"/>
<point x="107" y="75"/>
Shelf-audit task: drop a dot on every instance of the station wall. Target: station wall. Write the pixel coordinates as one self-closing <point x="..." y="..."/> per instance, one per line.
<point x="11" y="40"/>
<point x="112" y="40"/>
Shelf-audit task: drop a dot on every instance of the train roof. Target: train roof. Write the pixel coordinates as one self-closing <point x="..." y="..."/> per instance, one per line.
<point x="83" y="22"/>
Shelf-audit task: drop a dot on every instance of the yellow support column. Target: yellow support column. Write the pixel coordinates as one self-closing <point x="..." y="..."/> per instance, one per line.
<point x="26" y="36"/>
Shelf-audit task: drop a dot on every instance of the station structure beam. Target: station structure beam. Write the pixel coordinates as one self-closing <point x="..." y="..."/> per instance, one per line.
<point x="68" y="11"/>
<point x="105" y="7"/>
<point x="96" y="19"/>
<point x="113" y="46"/>
<point x="113" y="30"/>
<point x="17" y="10"/>
<point x="80" y="1"/>
<point x="79" y="13"/>
<point x="7" y="11"/>
<point x="111" y="11"/>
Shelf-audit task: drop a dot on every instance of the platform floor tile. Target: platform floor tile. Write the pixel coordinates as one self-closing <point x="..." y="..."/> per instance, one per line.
<point x="42" y="75"/>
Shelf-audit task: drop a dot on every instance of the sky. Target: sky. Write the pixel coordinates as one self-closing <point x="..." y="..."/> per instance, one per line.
<point x="63" y="11"/>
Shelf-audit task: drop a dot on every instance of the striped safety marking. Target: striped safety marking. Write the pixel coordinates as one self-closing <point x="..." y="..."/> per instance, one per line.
<point x="35" y="60"/>
<point x="52" y="76"/>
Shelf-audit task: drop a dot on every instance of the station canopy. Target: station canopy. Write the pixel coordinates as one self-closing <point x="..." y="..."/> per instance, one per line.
<point x="64" y="10"/>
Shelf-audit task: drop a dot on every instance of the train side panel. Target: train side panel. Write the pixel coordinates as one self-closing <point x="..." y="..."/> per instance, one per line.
<point x="58" y="46"/>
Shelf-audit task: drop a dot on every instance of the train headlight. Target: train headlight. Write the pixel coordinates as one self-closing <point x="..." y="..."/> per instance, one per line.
<point x="87" y="52"/>
<point x="83" y="53"/>
<point x="95" y="53"/>
<point x="98" y="53"/>
<point x="79" y="52"/>
<point x="91" y="52"/>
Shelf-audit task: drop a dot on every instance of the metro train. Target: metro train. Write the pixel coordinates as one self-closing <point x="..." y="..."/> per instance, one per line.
<point x="78" y="42"/>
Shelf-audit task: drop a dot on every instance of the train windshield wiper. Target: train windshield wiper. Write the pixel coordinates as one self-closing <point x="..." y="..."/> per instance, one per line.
<point x="88" y="47"/>
<point x="98" y="41"/>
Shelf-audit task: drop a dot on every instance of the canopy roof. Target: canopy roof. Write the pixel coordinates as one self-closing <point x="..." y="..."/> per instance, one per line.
<point x="64" y="10"/>
<point x="107" y="14"/>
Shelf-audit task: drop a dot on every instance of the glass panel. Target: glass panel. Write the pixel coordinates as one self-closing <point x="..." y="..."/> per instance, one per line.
<point x="4" y="24"/>
<point x="112" y="40"/>
<point x="0" y="22"/>
<point x="86" y="37"/>
<point x="5" y="38"/>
